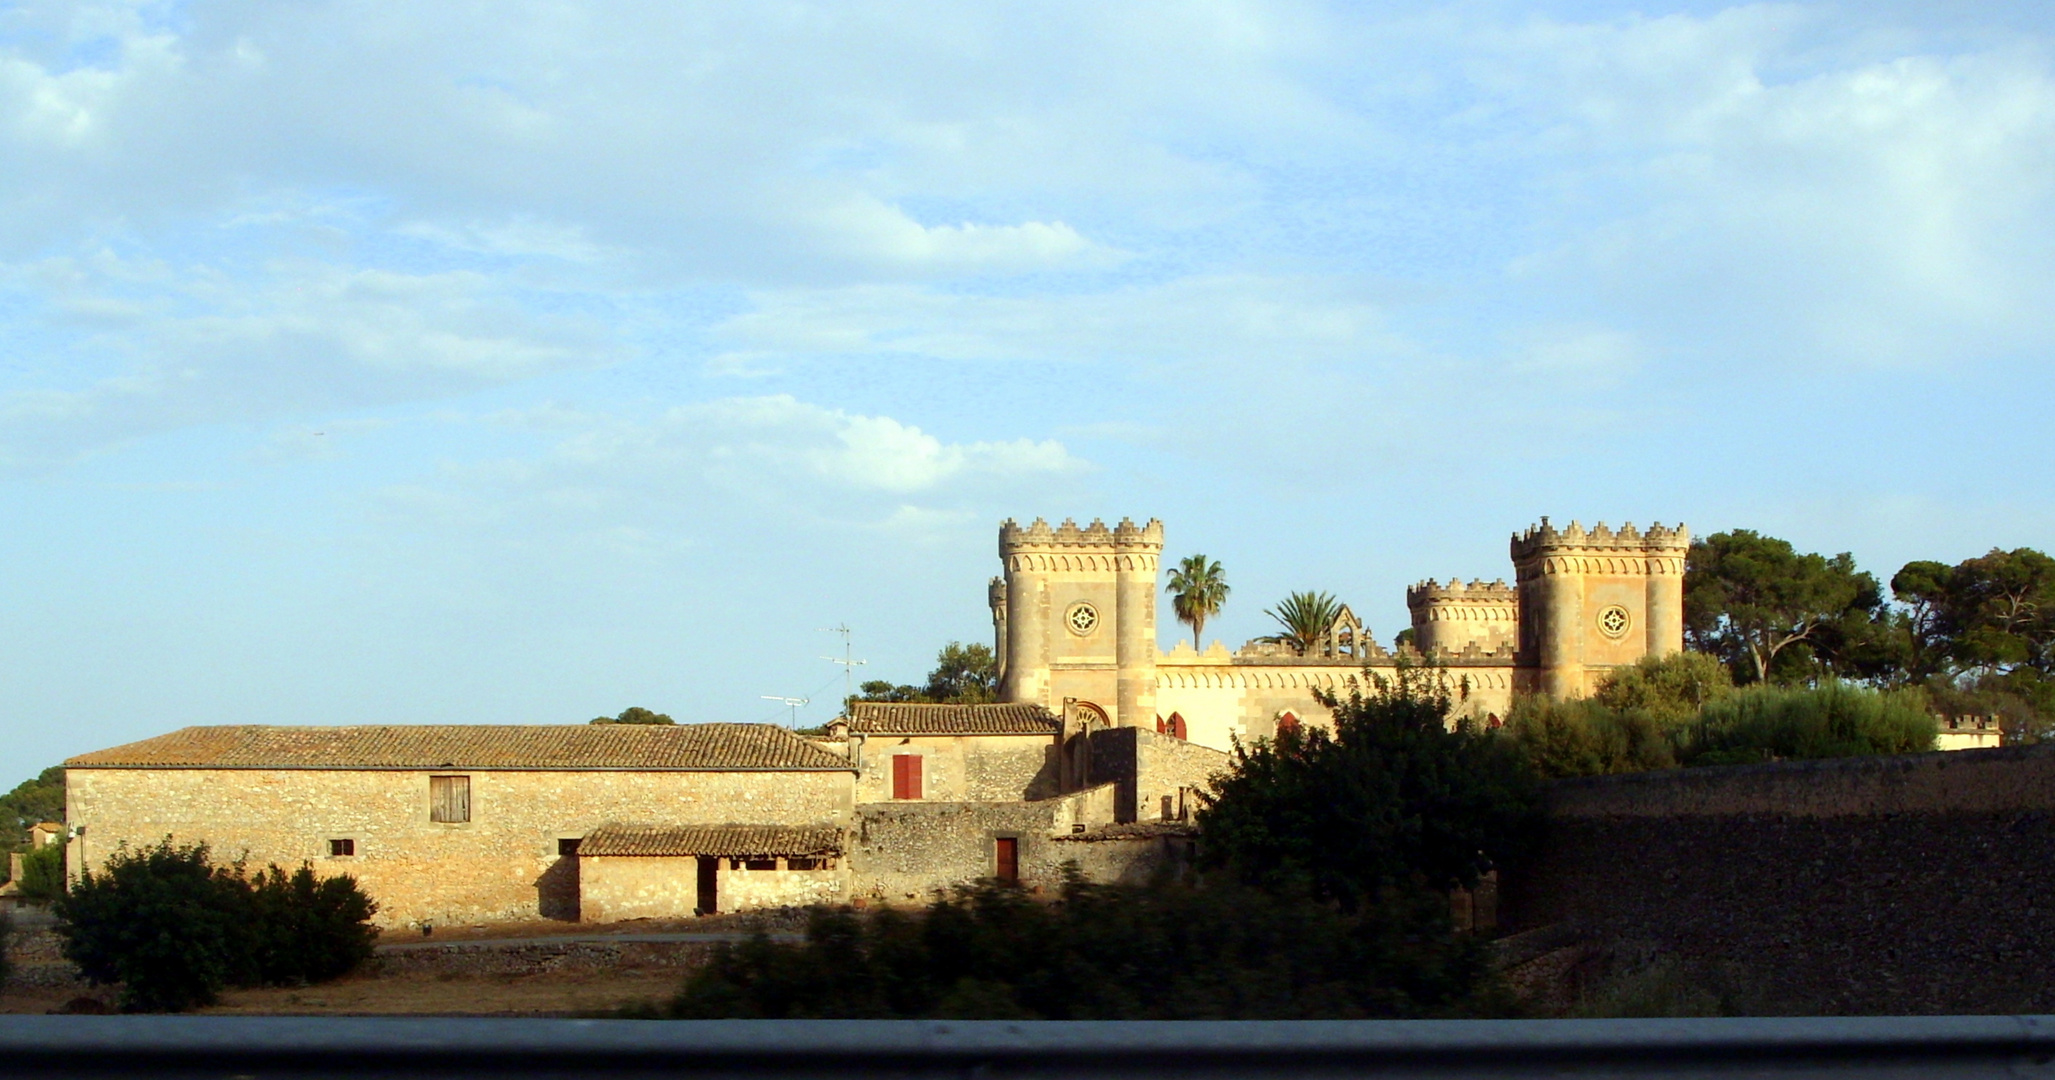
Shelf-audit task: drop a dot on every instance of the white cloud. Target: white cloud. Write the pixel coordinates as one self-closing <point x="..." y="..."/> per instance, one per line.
<point x="152" y="347"/>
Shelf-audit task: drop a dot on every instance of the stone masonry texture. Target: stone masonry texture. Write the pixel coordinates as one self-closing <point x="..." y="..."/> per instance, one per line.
<point x="1922" y="884"/>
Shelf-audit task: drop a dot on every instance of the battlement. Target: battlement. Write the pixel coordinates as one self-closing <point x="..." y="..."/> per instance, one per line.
<point x="1546" y="539"/>
<point x="1039" y="536"/>
<point x="1477" y="591"/>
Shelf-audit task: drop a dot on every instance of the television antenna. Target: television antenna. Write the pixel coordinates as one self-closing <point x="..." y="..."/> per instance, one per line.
<point x="792" y="703"/>
<point x="849" y="663"/>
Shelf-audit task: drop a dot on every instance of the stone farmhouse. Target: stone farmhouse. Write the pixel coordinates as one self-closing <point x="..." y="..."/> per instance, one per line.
<point x="1094" y="759"/>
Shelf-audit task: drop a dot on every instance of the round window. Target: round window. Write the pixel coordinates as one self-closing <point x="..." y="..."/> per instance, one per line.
<point x="1614" y="621"/>
<point x="1082" y="619"/>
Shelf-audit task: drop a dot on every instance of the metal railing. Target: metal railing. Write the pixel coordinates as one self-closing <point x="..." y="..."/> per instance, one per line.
<point x="78" y="1047"/>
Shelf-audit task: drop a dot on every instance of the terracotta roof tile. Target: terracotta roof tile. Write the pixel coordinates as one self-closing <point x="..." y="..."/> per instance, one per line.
<point x="899" y="718"/>
<point x="712" y="840"/>
<point x="690" y="747"/>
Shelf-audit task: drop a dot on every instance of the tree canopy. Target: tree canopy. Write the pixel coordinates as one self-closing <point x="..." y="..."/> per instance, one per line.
<point x="31" y="801"/>
<point x="635" y="714"/>
<point x="1198" y="589"/>
<point x="1749" y="599"/>
<point x="963" y="675"/>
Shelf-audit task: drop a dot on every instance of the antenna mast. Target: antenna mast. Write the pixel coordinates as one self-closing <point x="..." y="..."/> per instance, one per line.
<point x="849" y="662"/>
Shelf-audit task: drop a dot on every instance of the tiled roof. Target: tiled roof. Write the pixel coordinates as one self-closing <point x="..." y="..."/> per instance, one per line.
<point x="692" y="747"/>
<point x="897" y="718"/>
<point x="712" y="840"/>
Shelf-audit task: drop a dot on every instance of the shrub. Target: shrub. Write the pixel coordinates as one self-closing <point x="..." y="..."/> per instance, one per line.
<point x="1763" y="723"/>
<point x="1670" y="689"/>
<point x="174" y="929"/>
<point x="1393" y="799"/>
<point x="308" y="929"/>
<point x="6" y="940"/>
<point x="1585" y="738"/>
<point x="1169" y="950"/>
<point x="42" y="873"/>
<point x="163" y="922"/>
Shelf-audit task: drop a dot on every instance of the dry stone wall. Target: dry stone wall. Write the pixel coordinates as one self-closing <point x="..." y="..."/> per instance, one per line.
<point x="1914" y="884"/>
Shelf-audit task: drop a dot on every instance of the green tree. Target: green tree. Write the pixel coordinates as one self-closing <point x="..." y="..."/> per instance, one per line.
<point x="1583" y="737"/>
<point x="175" y="929"/>
<point x="963" y="675"/>
<point x="1750" y="599"/>
<point x="1394" y="799"/>
<point x="635" y="714"/>
<point x="31" y="801"/>
<point x="1198" y="589"/>
<point x="1305" y="618"/>
<point x="42" y="873"/>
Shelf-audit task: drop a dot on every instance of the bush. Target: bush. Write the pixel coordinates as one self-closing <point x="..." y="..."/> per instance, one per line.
<point x="1670" y="689"/>
<point x="1585" y="738"/>
<point x="174" y="929"/>
<point x="1393" y="799"/>
<point x="42" y="873"/>
<point x="6" y="941"/>
<point x="1765" y="723"/>
<point x="1170" y="950"/>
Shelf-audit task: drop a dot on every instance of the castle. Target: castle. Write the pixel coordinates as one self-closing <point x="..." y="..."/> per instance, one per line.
<point x="1074" y="620"/>
<point x="1092" y="761"/>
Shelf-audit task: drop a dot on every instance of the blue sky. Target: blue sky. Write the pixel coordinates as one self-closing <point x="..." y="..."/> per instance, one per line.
<point x="383" y="363"/>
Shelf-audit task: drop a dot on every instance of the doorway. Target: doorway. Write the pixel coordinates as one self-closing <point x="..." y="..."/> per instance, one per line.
<point x="709" y="886"/>
<point x="1006" y="861"/>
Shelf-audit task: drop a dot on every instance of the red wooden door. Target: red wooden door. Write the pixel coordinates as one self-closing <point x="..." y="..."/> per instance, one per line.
<point x="1008" y="861"/>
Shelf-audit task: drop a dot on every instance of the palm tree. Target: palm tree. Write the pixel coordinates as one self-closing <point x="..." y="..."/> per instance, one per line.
<point x="1306" y="617"/>
<point x="1197" y="590"/>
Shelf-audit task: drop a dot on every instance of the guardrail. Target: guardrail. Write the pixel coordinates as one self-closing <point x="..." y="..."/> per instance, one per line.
<point x="79" y="1047"/>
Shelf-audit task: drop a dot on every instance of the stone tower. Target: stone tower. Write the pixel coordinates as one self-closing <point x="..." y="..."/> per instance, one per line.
<point x="1591" y="601"/>
<point x="1075" y="616"/>
<point x="1455" y="616"/>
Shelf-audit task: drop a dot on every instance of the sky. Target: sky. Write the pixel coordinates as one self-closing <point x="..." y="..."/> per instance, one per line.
<point x="522" y="362"/>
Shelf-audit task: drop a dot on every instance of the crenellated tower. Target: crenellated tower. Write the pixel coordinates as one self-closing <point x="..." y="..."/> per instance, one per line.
<point x="1593" y="600"/>
<point x="1455" y="616"/>
<point x="1075" y="616"/>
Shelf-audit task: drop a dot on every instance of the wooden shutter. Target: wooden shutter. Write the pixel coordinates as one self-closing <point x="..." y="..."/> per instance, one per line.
<point x="1007" y="863"/>
<point x="906" y="776"/>
<point x="449" y="798"/>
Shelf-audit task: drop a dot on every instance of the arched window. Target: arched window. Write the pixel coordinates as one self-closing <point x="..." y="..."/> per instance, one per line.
<point x="1176" y="728"/>
<point x="1287" y="721"/>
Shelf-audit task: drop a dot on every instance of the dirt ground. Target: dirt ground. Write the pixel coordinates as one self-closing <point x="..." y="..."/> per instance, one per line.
<point x="504" y="969"/>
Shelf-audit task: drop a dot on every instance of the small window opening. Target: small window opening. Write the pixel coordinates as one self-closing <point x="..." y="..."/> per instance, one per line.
<point x="567" y="845"/>
<point x="340" y="848"/>
<point x="1168" y="808"/>
<point x="760" y="862"/>
<point x="449" y="798"/>
<point x="810" y="862"/>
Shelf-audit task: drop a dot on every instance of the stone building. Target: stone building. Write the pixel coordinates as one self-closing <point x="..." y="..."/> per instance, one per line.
<point x="474" y="823"/>
<point x="445" y="823"/>
<point x="1074" y="617"/>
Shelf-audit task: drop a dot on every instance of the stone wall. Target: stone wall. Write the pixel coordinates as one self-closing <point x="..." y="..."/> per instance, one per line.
<point x="905" y="852"/>
<point x="614" y="888"/>
<point x="1148" y="769"/>
<point x="961" y="768"/>
<point x="502" y="864"/>
<point x="1914" y="884"/>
